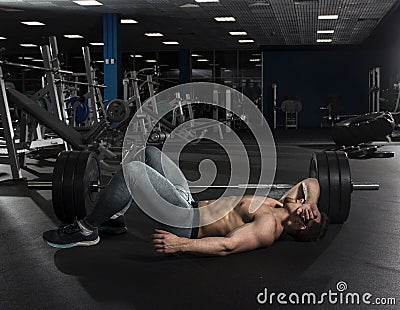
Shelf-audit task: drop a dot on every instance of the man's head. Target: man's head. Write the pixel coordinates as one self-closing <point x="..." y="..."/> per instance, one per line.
<point x="301" y="229"/>
<point x="315" y="229"/>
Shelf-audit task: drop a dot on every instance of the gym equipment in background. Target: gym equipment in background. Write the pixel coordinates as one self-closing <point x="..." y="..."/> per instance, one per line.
<point x="364" y="128"/>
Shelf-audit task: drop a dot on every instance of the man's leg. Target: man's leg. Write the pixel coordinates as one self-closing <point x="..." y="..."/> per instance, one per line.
<point x="150" y="189"/>
<point x="166" y="167"/>
<point x="117" y="196"/>
<point x="158" y="197"/>
<point x="114" y="198"/>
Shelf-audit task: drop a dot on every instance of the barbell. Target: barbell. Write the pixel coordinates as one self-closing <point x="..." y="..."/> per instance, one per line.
<point x="14" y="64"/>
<point x="76" y="183"/>
<point x="80" y="83"/>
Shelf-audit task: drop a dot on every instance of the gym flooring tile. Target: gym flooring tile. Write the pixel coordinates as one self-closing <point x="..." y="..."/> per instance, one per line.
<point x="123" y="272"/>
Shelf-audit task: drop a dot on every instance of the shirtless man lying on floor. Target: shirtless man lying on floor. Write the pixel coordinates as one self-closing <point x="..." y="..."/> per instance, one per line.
<point x="239" y="229"/>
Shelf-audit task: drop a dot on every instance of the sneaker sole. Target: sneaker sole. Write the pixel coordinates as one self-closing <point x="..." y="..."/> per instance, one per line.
<point x="71" y="245"/>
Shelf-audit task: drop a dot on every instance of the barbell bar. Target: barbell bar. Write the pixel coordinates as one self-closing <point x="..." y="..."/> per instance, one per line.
<point x="80" y="83"/>
<point x="47" y="185"/>
<point x="363" y="186"/>
<point x="76" y="183"/>
<point x="15" y="64"/>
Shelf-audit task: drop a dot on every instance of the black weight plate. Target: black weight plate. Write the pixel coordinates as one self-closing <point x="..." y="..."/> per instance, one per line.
<point x="87" y="172"/>
<point x="362" y="152"/>
<point x="57" y="184"/>
<point x="346" y="187"/>
<point x="381" y="154"/>
<point x="335" y="200"/>
<point x="319" y="170"/>
<point x="68" y="187"/>
<point x="117" y="110"/>
<point x="93" y="175"/>
<point x="348" y="149"/>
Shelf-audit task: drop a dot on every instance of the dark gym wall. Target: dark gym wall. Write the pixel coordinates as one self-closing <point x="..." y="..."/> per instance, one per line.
<point x="385" y="41"/>
<point x="313" y="76"/>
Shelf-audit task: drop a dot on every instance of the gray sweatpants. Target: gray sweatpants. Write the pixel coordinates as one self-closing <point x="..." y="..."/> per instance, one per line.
<point x="158" y="186"/>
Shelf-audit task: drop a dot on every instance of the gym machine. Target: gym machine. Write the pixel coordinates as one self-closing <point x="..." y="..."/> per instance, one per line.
<point x="374" y="89"/>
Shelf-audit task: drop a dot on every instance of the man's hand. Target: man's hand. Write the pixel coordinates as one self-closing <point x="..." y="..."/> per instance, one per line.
<point x="167" y="243"/>
<point x="307" y="212"/>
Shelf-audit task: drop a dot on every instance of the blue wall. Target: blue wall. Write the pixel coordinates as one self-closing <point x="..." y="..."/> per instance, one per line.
<point x="314" y="76"/>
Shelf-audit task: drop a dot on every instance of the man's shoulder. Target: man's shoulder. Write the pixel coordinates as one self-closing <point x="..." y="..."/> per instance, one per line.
<point x="264" y="217"/>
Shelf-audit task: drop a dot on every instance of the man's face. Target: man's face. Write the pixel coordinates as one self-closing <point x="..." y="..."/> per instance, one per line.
<point x="304" y="211"/>
<point x="294" y="223"/>
<point x="298" y="219"/>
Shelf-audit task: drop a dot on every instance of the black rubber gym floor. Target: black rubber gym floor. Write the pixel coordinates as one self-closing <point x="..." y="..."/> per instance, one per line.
<point x="123" y="272"/>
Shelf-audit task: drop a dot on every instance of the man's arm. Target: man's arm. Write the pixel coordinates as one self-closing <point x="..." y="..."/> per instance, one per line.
<point x="311" y="190"/>
<point x="250" y="236"/>
<point x="307" y="191"/>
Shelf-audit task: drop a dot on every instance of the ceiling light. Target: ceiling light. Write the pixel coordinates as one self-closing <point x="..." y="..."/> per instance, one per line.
<point x="246" y="41"/>
<point x="28" y="45"/>
<point x="328" y="16"/>
<point x="202" y="60"/>
<point x="153" y="34"/>
<point x="170" y="42"/>
<point x="136" y="56"/>
<point x="100" y="61"/>
<point x="238" y="33"/>
<point x="225" y="19"/>
<point x="255" y="60"/>
<point x="128" y="21"/>
<point x="88" y="2"/>
<point x="256" y="54"/>
<point x="227" y="70"/>
<point x="73" y="36"/>
<point x="206" y="1"/>
<point x="33" y="23"/>
<point x="189" y="5"/>
<point x="325" y="31"/>
<point x="25" y="57"/>
<point x="37" y="60"/>
<point x="304" y="1"/>
<point x="259" y="3"/>
<point x="258" y="65"/>
<point x="3" y="38"/>
<point x="97" y="43"/>
<point x="151" y="60"/>
<point x="324" y="40"/>
<point x="196" y="55"/>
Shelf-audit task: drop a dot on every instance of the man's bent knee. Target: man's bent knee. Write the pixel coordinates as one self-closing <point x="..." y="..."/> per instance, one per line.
<point x="151" y="151"/>
<point x="134" y="169"/>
